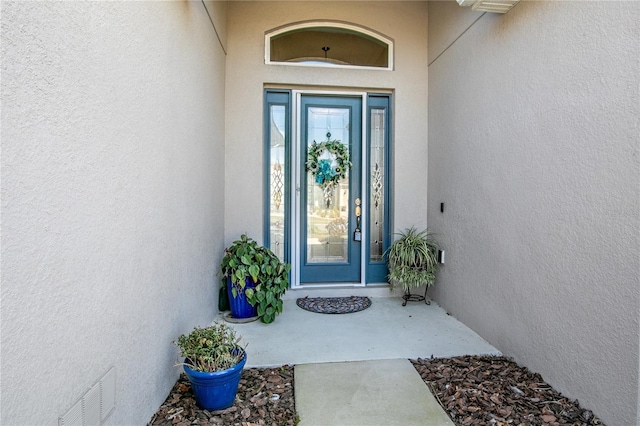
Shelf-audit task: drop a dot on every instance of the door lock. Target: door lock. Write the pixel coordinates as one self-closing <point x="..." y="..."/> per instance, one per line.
<point x="357" y="234"/>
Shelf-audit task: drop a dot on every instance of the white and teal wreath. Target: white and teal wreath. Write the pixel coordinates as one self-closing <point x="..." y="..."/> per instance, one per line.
<point x="328" y="162"/>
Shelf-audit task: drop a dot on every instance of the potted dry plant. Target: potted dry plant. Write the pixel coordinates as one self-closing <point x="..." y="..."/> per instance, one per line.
<point x="213" y="360"/>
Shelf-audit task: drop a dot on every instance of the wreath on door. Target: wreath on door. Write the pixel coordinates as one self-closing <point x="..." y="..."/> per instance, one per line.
<point x="328" y="162"/>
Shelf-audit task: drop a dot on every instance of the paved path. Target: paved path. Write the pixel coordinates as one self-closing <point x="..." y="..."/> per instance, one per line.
<point x="381" y="392"/>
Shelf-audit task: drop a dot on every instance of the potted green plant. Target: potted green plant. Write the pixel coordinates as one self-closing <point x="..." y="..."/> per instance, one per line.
<point x="412" y="261"/>
<point x="254" y="275"/>
<point x="240" y="269"/>
<point x="213" y="363"/>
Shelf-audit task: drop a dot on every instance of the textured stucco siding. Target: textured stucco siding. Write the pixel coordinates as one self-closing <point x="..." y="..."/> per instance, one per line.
<point x="534" y="149"/>
<point x="112" y="199"/>
<point x="404" y="22"/>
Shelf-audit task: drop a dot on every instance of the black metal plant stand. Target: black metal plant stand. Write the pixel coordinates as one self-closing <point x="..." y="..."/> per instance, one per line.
<point x="408" y="297"/>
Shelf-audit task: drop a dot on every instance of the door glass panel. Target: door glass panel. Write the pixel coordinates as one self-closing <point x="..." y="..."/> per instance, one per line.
<point x="277" y="172"/>
<point x="327" y="205"/>
<point x="377" y="178"/>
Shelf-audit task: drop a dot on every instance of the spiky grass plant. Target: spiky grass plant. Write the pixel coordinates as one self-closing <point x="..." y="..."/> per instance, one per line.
<point x="412" y="259"/>
<point x="212" y="348"/>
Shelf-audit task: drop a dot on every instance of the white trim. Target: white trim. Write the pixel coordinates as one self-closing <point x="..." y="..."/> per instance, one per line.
<point x="363" y="190"/>
<point x="295" y="179"/>
<point x="294" y="244"/>
<point x="331" y="24"/>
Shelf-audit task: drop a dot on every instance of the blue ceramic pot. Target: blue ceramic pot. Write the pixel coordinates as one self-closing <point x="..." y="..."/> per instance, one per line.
<point x="217" y="390"/>
<point x="240" y="307"/>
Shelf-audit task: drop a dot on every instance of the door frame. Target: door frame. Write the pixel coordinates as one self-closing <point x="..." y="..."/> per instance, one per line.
<point x="296" y="170"/>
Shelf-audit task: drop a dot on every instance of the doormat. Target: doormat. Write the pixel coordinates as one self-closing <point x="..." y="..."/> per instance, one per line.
<point x="334" y="305"/>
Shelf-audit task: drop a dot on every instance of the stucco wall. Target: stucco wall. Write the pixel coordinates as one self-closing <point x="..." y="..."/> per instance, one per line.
<point x="405" y="23"/>
<point x="112" y="199"/>
<point x="534" y="149"/>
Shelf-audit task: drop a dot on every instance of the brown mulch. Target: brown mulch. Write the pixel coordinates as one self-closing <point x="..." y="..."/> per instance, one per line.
<point x="477" y="390"/>
<point x="265" y="397"/>
<point x="473" y="390"/>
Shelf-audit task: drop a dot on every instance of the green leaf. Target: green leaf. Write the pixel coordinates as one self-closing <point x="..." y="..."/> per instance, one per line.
<point x="253" y="271"/>
<point x="268" y="318"/>
<point x="249" y="292"/>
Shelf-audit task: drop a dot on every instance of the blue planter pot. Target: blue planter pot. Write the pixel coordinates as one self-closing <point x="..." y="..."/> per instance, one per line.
<point x="216" y="391"/>
<point x="240" y="307"/>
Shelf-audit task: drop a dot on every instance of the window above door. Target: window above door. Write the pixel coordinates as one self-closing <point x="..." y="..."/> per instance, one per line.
<point x="328" y="44"/>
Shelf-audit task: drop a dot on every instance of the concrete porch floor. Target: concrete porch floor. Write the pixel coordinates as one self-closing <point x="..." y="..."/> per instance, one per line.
<point x="353" y="369"/>
<point x="386" y="330"/>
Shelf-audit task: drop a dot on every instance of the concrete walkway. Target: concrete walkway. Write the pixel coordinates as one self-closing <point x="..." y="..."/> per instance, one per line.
<point x="385" y="393"/>
<point x="353" y="369"/>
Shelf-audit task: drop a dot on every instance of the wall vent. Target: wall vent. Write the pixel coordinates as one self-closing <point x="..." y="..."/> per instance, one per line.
<point x="107" y="393"/>
<point x="95" y="405"/>
<point x="73" y="417"/>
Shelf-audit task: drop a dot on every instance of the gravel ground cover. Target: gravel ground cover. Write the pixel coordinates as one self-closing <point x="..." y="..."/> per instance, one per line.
<point x="265" y="397"/>
<point x="476" y="390"/>
<point x="473" y="391"/>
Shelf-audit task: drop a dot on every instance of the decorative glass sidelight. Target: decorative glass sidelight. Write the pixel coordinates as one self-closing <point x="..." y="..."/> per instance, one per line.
<point x="328" y="169"/>
<point x="377" y="181"/>
<point x="277" y="173"/>
<point x="277" y="184"/>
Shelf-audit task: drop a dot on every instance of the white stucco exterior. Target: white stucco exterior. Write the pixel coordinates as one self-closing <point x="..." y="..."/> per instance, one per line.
<point x="534" y="149"/>
<point x="247" y="75"/>
<point x="132" y="154"/>
<point x="112" y="199"/>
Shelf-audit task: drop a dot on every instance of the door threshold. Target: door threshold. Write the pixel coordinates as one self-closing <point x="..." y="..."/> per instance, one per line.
<point x="340" y="290"/>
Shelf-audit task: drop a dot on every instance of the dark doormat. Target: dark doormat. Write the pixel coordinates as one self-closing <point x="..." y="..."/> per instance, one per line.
<point x="334" y="305"/>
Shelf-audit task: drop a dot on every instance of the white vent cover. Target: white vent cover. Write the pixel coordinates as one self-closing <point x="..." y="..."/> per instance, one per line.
<point x="494" y="6"/>
<point x="107" y="393"/>
<point x="95" y="405"/>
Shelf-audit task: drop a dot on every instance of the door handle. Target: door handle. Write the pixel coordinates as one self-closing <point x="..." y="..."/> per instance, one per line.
<point x="357" y="234"/>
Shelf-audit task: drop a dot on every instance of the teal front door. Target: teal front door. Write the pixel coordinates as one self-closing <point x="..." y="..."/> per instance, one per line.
<point x="330" y="189"/>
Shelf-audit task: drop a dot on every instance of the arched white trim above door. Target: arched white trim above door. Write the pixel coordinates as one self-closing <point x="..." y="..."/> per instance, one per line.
<point x="314" y="59"/>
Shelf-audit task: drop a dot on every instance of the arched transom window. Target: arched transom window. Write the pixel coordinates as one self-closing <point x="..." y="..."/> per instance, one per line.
<point x="328" y="44"/>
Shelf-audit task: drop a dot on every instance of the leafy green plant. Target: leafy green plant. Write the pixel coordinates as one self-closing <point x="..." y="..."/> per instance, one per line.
<point x="241" y="261"/>
<point x="412" y="259"/>
<point x="209" y="349"/>
<point x="246" y="259"/>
